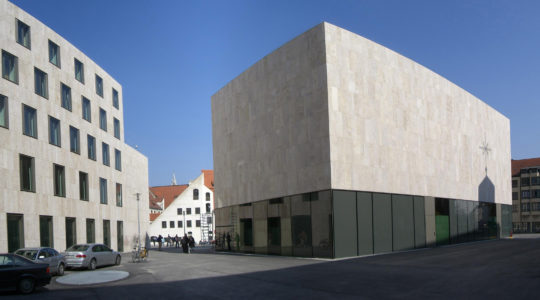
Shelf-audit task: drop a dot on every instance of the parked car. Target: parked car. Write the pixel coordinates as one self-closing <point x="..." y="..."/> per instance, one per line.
<point x="91" y="256"/>
<point x="17" y="272"/>
<point x="56" y="261"/>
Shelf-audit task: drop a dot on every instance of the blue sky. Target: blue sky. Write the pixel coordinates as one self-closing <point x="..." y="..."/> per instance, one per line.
<point x="171" y="56"/>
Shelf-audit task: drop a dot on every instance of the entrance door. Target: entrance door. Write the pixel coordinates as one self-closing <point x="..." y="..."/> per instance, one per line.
<point x="274" y="235"/>
<point x="442" y="221"/>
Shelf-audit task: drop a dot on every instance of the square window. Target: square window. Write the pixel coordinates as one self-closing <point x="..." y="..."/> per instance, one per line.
<point x="188" y="211"/>
<point x="171" y="224"/>
<point x="29" y="121"/>
<point x="99" y="86"/>
<point x="115" y="101"/>
<point x="28" y="176"/>
<point x="102" y="119"/>
<point x="102" y="190"/>
<point x="54" y="54"/>
<point x="197" y="223"/>
<point x="54" y="132"/>
<point x="105" y="154"/>
<point x="66" y="96"/>
<point x="23" y="34"/>
<point x="83" y="186"/>
<point x="10" y="67"/>
<point x="41" y="83"/>
<point x="86" y="110"/>
<point x="118" y="195"/>
<point x="74" y="140"/>
<point x="4" y="120"/>
<point x="116" y="128"/>
<point x="59" y="180"/>
<point x="91" y="147"/>
<point x="117" y="160"/>
<point x="179" y="211"/>
<point x="79" y="71"/>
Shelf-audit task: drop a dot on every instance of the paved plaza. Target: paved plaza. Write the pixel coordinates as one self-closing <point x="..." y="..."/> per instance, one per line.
<point x="507" y="268"/>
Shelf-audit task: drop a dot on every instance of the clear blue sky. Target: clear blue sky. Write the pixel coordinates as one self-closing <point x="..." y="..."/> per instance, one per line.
<point x="171" y="56"/>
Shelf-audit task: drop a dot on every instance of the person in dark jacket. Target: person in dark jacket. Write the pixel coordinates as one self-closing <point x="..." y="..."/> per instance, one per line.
<point x="191" y="243"/>
<point x="229" y="241"/>
<point x="159" y="241"/>
<point x="184" y="243"/>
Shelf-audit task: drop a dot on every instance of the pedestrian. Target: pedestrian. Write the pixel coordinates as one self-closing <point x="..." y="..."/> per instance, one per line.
<point x="185" y="242"/>
<point x="228" y="241"/>
<point x="191" y="243"/>
<point x="176" y="241"/>
<point x="159" y="239"/>
<point x="168" y="240"/>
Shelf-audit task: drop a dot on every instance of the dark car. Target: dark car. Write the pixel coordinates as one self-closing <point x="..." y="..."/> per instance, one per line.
<point x="56" y="261"/>
<point x="17" y="272"/>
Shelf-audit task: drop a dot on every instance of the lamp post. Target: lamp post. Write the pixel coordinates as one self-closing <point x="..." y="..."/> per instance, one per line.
<point x="184" y="214"/>
<point x="138" y="223"/>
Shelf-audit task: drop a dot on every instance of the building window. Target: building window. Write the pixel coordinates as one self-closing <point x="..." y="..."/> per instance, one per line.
<point x="99" y="86"/>
<point x="83" y="186"/>
<point x="116" y="128"/>
<point x="120" y="235"/>
<point x="117" y="160"/>
<point x="207" y="207"/>
<point x="54" y="54"/>
<point x="23" y="34"/>
<point x="535" y="194"/>
<point x="197" y="210"/>
<point x="118" y="195"/>
<point x="525" y="194"/>
<point x="15" y="232"/>
<point x="91" y="147"/>
<point x="535" y="180"/>
<point x="515" y="207"/>
<point x="171" y="224"/>
<point x="79" y="71"/>
<point x="163" y="224"/>
<point x="90" y="231"/>
<point x="41" y="83"/>
<point x="207" y="196"/>
<point x="29" y="121"/>
<point x="86" y="110"/>
<point x="188" y="211"/>
<point x="71" y="232"/>
<point x="107" y="233"/>
<point x="102" y="190"/>
<point x="28" y="176"/>
<point x="10" y="67"/>
<point x="195" y="194"/>
<point x="188" y="223"/>
<point x="46" y="231"/>
<point x="180" y="224"/>
<point x="4" y="120"/>
<point x="54" y="132"/>
<point x="525" y="181"/>
<point x="514" y="183"/>
<point x="179" y="211"/>
<point x="74" y="140"/>
<point x="59" y="180"/>
<point x="525" y="206"/>
<point x="105" y="154"/>
<point x="197" y="223"/>
<point x="514" y="195"/>
<point x="66" y="96"/>
<point x="102" y="119"/>
<point x="115" y="101"/>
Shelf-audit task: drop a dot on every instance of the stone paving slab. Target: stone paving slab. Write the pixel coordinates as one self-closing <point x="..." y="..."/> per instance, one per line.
<point x="92" y="277"/>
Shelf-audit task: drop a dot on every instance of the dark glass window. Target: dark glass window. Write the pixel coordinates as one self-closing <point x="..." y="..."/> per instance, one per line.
<point x="54" y="54"/>
<point x="41" y="83"/>
<point x="525" y="181"/>
<point x="10" y="67"/>
<point x="102" y="119"/>
<point x="91" y="147"/>
<point x="59" y="180"/>
<point x="99" y="86"/>
<point x="120" y="235"/>
<point x="79" y="71"/>
<point x="66" y="96"/>
<point x="179" y="211"/>
<point x="115" y="98"/>
<point x="46" y="231"/>
<point x="105" y="153"/>
<point x="535" y="180"/>
<point x="29" y="121"/>
<point x="207" y="196"/>
<point x="74" y="140"/>
<point x="23" y="34"/>
<point x="107" y="233"/>
<point x="118" y="195"/>
<point x="525" y="194"/>
<point x="514" y="183"/>
<point x="83" y="186"/>
<point x="15" y="232"/>
<point x="197" y="223"/>
<point x="246" y="228"/>
<point x="525" y="207"/>
<point x="188" y="211"/>
<point x="163" y="224"/>
<point x="90" y="231"/>
<point x="188" y="223"/>
<point x="28" y="176"/>
<point x="207" y="207"/>
<point x="171" y="224"/>
<point x="514" y="195"/>
<point x="54" y="132"/>
<point x="71" y="232"/>
<point x="116" y="128"/>
<point x="86" y="109"/>
<point x="195" y="194"/>
<point x="102" y="190"/>
<point x="4" y="115"/>
<point x="117" y="160"/>
<point x="197" y="210"/>
<point x="179" y="224"/>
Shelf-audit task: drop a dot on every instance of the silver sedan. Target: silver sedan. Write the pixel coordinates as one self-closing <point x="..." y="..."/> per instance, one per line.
<point x="56" y="261"/>
<point x="91" y="256"/>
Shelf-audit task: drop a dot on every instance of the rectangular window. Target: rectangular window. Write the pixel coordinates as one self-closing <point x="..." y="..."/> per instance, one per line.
<point x="115" y="101"/>
<point x="102" y="119"/>
<point x="15" y="232"/>
<point x="116" y="128"/>
<point x="99" y="86"/>
<point x="120" y="236"/>
<point x="514" y="195"/>
<point x="525" y="181"/>
<point x="525" y="194"/>
<point x="207" y="196"/>
<point x="54" y="54"/>
<point x="515" y="207"/>
<point x="90" y="231"/>
<point x="197" y="223"/>
<point x="10" y="67"/>
<point x="46" y="231"/>
<point x="197" y="210"/>
<point x="59" y="177"/>
<point x="79" y="71"/>
<point x="105" y="154"/>
<point x="41" y="83"/>
<point x="83" y="186"/>
<point x="91" y="147"/>
<point x="117" y="160"/>
<point x="66" y="96"/>
<point x="71" y="232"/>
<point x="107" y="233"/>
<point x="179" y="224"/>
<point x="4" y="120"/>
<point x="29" y="121"/>
<point x="525" y="206"/>
<point x="102" y="190"/>
<point x="514" y="183"/>
<point x="208" y="207"/>
<point x="74" y="140"/>
<point x="179" y="211"/>
<point x="28" y="176"/>
<point x="188" y="223"/>
<point x="188" y="211"/>
<point x="535" y="180"/>
<point x="163" y="224"/>
<point x="54" y="132"/>
<point x="118" y="195"/>
<point x="23" y="34"/>
<point x="86" y="110"/>
<point x="171" y="224"/>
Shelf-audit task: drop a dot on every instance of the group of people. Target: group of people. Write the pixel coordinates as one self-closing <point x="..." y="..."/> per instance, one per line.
<point x="186" y="242"/>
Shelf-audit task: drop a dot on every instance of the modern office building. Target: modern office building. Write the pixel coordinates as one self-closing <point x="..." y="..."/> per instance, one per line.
<point x="526" y="195"/>
<point x="187" y="209"/>
<point x="66" y="174"/>
<point x="334" y="146"/>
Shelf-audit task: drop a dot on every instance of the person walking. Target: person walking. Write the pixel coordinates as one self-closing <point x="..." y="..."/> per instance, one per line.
<point x="176" y="241"/>
<point x="159" y="241"/>
<point x="184" y="243"/>
<point x="191" y="243"/>
<point x="228" y="241"/>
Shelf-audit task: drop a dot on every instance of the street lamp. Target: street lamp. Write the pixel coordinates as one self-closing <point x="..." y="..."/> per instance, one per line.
<point x="138" y="224"/>
<point x="184" y="214"/>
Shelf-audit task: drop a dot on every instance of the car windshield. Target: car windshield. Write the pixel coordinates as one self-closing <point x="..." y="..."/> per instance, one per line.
<point x="78" y="248"/>
<point x="30" y="254"/>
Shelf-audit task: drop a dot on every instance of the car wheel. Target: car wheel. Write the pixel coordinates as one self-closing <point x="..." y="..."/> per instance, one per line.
<point x="93" y="264"/>
<point x="118" y="260"/>
<point x="61" y="270"/>
<point x="26" y="285"/>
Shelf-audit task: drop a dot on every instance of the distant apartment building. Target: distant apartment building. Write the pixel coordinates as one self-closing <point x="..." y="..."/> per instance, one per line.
<point x="526" y="195"/>
<point x="187" y="209"/>
<point x="66" y="175"/>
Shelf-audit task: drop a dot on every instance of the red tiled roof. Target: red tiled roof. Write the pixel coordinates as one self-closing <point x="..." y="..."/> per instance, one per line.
<point x="154" y="201"/>
<point x="168" y="192"/>
<point x="154" y="216"/>
<point x="209" y="179"/>
<point x="519" y="164"/>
